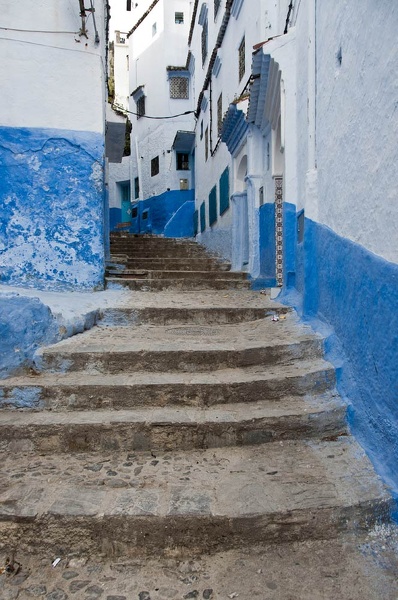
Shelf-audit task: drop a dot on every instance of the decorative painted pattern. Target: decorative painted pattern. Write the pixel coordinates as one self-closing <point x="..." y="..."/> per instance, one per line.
<point x="279" y="230"/>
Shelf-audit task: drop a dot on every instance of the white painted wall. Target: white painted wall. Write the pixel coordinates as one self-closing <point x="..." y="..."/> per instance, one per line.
<point x="52" y="80"/>
<point x="117" y="173"/>
<point x="257" y="21"/>
<point x="354" y="187"/>
<point x="357" y="123"/>
<point x="149" y="57"/>
<point x="121" y="63"/>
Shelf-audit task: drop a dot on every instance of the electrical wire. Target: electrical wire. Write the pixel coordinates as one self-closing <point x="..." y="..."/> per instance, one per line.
<point x="35" y="30"/>
<point x="121" y="109"/>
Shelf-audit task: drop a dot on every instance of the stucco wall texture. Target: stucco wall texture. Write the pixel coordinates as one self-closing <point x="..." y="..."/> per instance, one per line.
<point x="51" y="209"/>
<point x="51" y="146"/>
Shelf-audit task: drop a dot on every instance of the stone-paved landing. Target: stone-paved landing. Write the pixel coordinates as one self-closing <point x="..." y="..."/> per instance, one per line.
<point x="145" y="502"/>
<point x="350" y="568"/>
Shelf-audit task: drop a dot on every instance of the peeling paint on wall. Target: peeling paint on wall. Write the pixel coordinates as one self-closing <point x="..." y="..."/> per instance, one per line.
<point x="51" y="208"/>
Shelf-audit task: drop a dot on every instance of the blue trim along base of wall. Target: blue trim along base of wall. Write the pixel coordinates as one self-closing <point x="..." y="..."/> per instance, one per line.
<point x="169" y="214"/>
<point x="267" y="246"/>
<point x="51" y="208"/>
<point x="351" y="296"/>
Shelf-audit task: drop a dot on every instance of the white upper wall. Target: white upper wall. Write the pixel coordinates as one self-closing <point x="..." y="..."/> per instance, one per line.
<point x="356" y="121"/>
<point x="152" y="50"/>
<point x="121" y="66"/>
<point x="253" y="25"/>
<point x="52" y="80"/>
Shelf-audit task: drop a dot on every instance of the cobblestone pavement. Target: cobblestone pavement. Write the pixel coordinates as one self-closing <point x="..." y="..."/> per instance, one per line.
<point x="348" y="569"/>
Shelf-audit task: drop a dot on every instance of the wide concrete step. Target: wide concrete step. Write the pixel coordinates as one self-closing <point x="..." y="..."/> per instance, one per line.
<point x="177" y="284"/>
<point x="182" y="348"/>
<point x="177" y="264"/>
<point x="83" y="391"/>
<point x="171" y="315"/>
<point x="179" y="274"/>
<point x="187" y="502"/>
<point x="171" y="251"/>
<point x="172" y="428"/>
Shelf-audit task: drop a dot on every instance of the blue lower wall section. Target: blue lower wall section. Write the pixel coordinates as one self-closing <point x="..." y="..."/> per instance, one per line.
<point x="169" y="214"/>
<point x="115" y="217"/>
<point x="51" y="208"/>
<point x="354" y="293"/>
<point x="25" y="324"/>
<point x="267" y="244"/>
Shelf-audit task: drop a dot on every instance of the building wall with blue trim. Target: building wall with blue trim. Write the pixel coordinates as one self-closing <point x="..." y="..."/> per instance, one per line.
<point x="342" y="275"/>
<point x="170" y="214"/>
<point x="52" y="196"/>
<point x="51" y="209"/>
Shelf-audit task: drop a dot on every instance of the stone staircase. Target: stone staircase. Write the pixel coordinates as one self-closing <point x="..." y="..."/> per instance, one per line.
<point x="146" y="262"/>
<point x="185" y="423"/>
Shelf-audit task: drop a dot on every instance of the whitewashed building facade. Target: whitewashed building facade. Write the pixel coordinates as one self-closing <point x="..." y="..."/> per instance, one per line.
<point x="52" y="120"/>
<point x="161" y="101"/>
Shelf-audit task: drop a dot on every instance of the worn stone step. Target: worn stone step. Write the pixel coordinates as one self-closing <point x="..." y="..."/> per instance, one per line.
<point x="179" y="274"/>
<point x="182" y="348"/>
<point x="180" y="315"/>
<point x="172" y="428"/>
<point x="177" y="264"/>
<point x="160" y="252"/>
<point x="79" y="391"/>
<point x="306" y="570"/>
<point x="188" y="502"/>
<point x="177" y="284"/>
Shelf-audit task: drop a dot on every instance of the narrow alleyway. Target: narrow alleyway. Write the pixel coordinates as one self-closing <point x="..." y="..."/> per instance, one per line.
<point x="192" y="445"/>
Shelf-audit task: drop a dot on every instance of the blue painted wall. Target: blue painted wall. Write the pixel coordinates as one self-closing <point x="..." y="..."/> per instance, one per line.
<point x="115" y="217"/>
<point x="351" y="295"/>
<point x="51" y="208"/>
<point x="267" y="245"/>
<point x="25" y="324"/>
<point x="169" y="214"/>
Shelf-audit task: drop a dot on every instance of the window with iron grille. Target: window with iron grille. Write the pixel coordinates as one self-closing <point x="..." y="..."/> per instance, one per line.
<point x="216" y="7"/>
<point x="219" y="114"/>
<point x="140" y="107"/>
<point x="182" y="161"/>
<point x="179" y="18"/>
<point x="155" y="166"/>
<point x="179" y="87"/>
<point x="204" y="42"/>
<point x="242" y="59"/>
<point x="207" y="143"/>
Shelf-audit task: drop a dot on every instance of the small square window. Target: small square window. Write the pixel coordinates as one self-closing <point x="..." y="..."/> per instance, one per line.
<point x="179" y="88"/>
<point x="155" y="166"/>
<point x="182" y="161"/>
<point x="154" y="29"/>
<point x="184" y="184"/>
<point x="134" y="212"/>
<point x="207" y="143"/>
<point x="179" y="18"/>
<point x="201" y="129"/>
